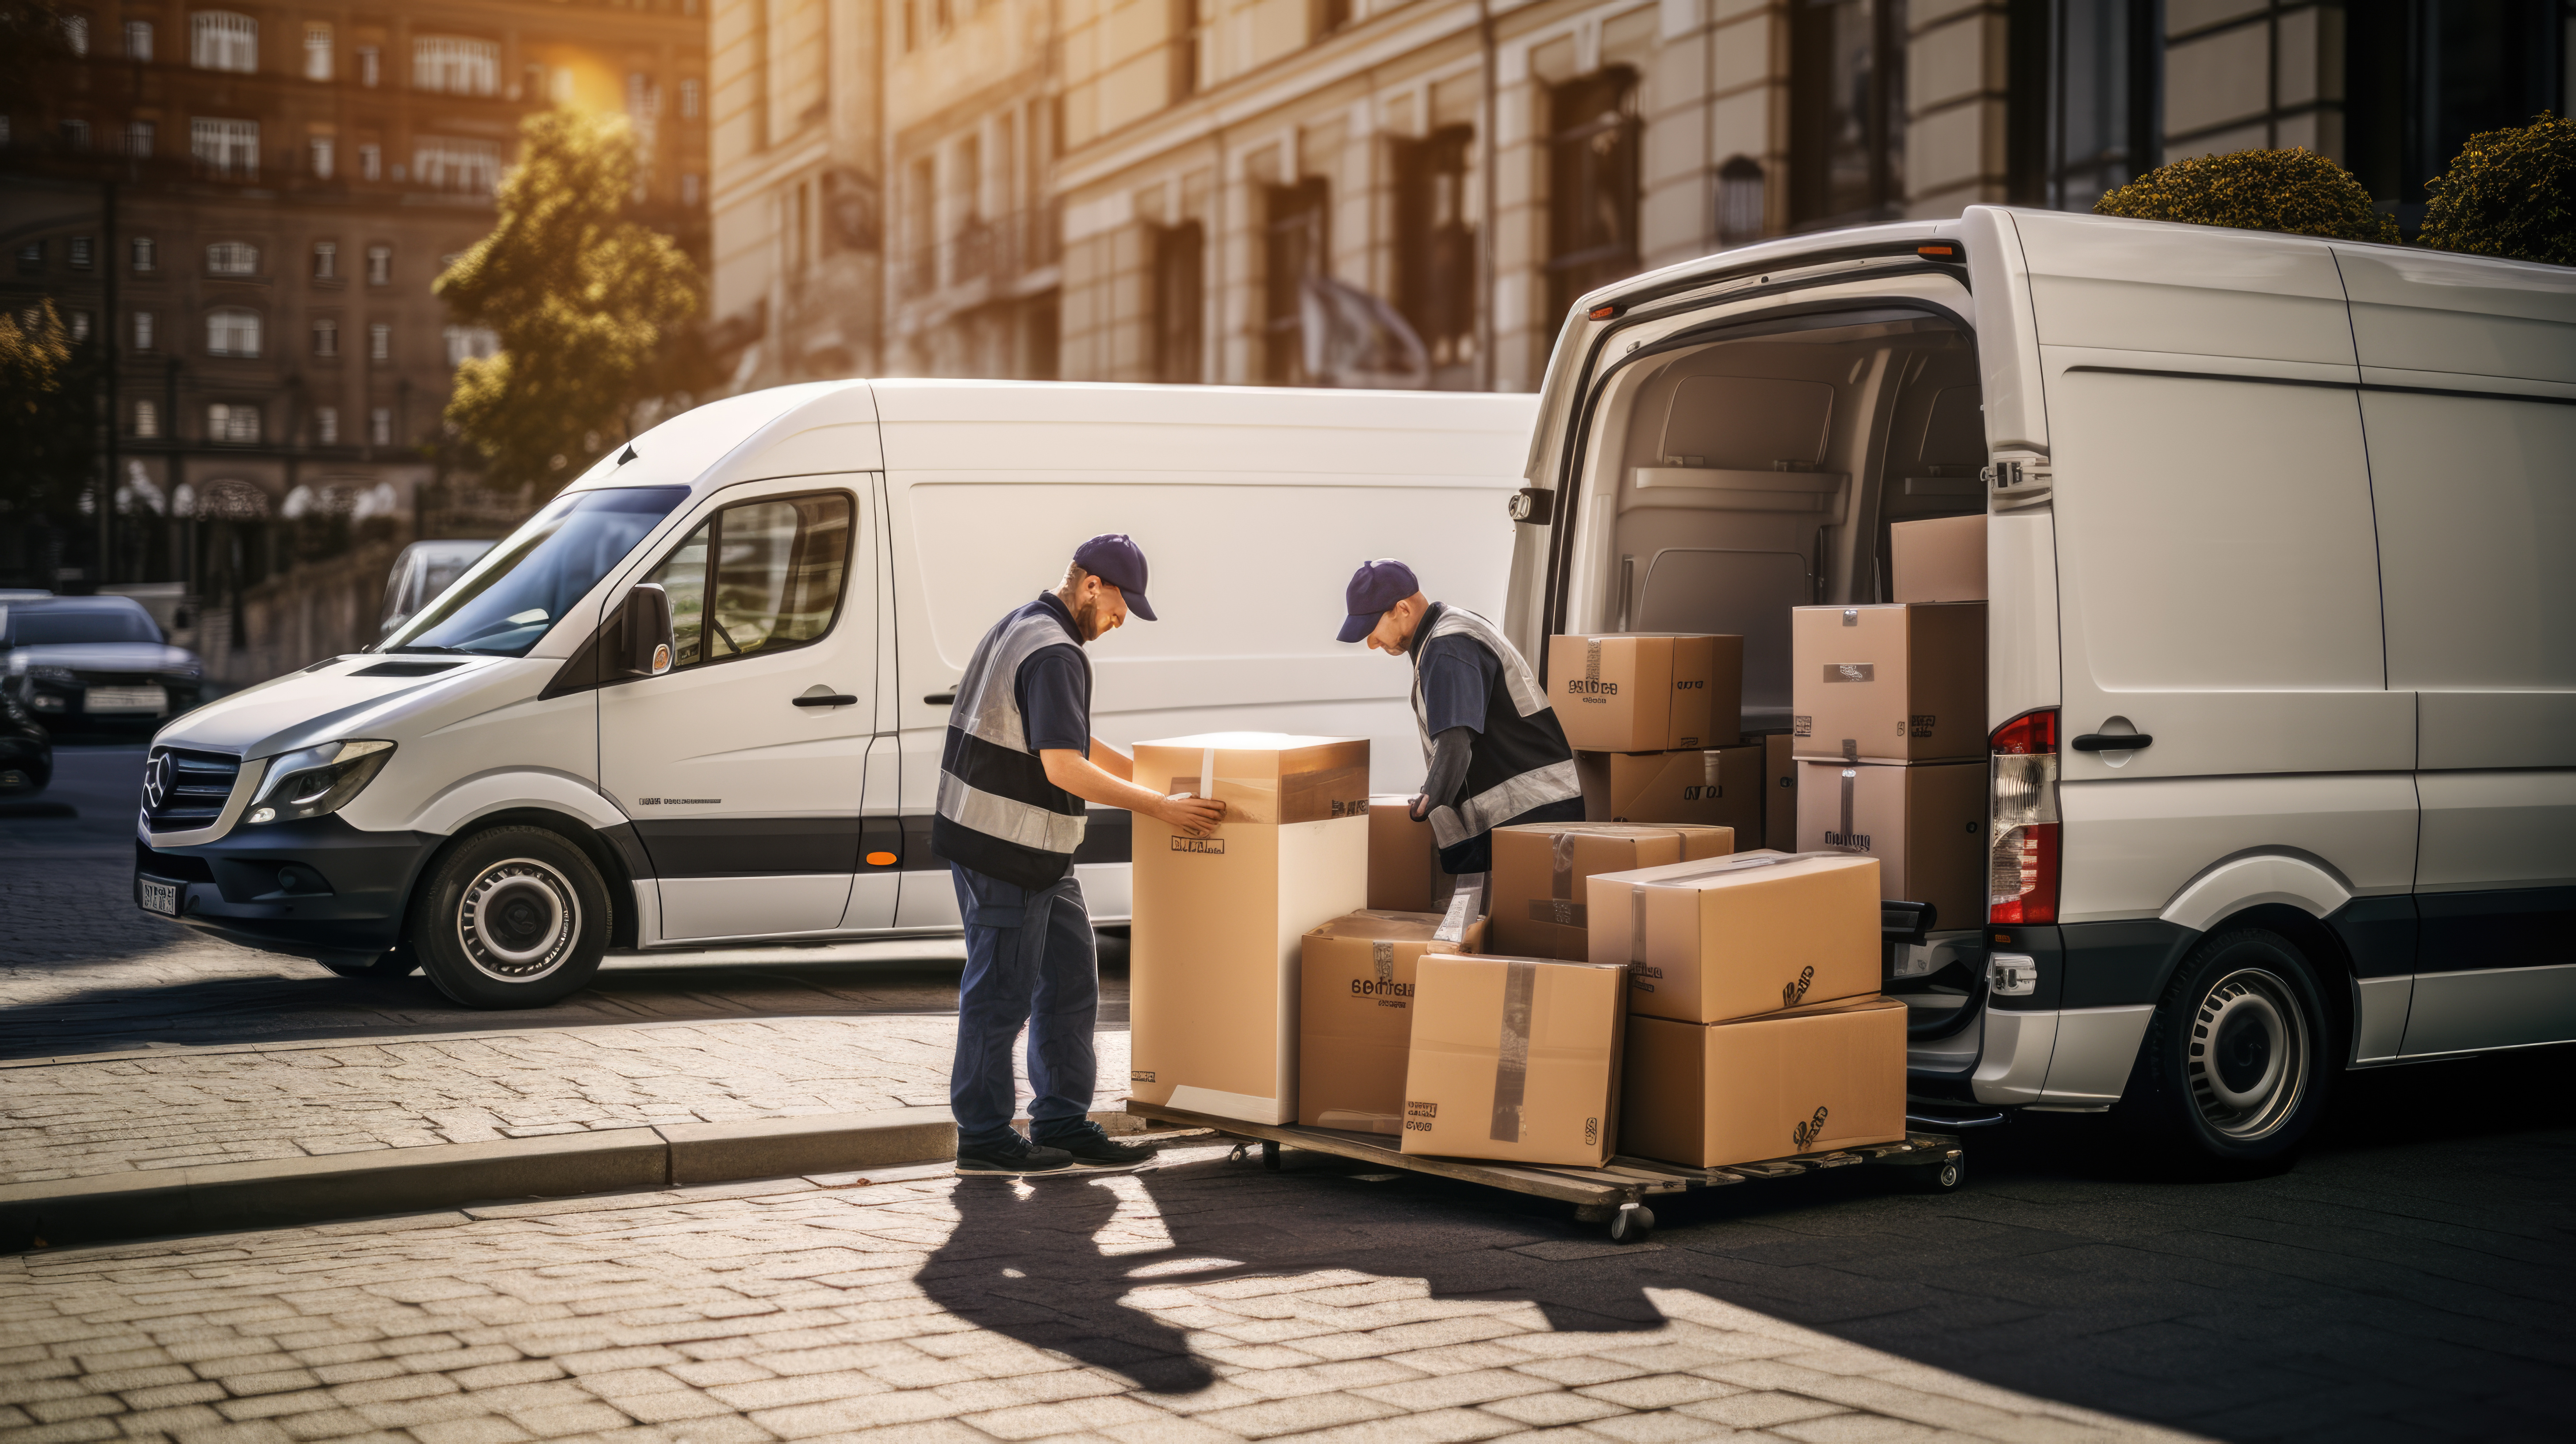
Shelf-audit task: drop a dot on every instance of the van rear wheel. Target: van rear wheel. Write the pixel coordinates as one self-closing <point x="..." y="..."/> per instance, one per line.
<point x="511" y="917"/>
<point x="2239" y="1057"/>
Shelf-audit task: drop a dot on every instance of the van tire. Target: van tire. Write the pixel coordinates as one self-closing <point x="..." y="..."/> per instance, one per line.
<point x="511" y="917"/>
<point x="2239" y="1058"/>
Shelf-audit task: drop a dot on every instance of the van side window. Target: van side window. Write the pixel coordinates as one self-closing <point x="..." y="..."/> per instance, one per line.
<point x="684" y="578"/>
<point x="773" y="570"/>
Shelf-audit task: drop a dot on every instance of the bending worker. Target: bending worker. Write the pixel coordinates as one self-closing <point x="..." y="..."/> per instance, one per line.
<point x="1492" y="746"/>
<point x="1019" y="764"/>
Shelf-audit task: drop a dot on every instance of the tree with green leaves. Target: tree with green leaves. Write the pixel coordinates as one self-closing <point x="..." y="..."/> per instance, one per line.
<point x="2295" y="190"/>
<point x="590" y="306"/>
<point x="2509" y="193"/>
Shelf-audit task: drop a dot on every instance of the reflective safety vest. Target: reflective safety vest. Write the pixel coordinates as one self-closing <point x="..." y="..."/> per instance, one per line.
<point x="1520" y="762"/>
<point x="997" y="812"/>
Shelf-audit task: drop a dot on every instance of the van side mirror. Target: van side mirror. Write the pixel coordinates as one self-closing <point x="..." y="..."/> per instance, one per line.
<point x="644" y="632"/>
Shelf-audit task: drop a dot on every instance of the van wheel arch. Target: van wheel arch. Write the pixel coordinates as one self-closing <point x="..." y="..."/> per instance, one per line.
<point x="612" y="867"/>
<point x="2324" y="951"/>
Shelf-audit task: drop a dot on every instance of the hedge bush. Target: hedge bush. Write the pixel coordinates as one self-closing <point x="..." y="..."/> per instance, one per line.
<point x="2256" y="190"/>
<point x="2509" y="193"/>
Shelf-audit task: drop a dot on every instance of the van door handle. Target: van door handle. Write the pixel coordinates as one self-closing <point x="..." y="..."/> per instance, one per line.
<point x="2113" y="742"/>
<point x="825" y="699"/>
<point x="941" y="699"/>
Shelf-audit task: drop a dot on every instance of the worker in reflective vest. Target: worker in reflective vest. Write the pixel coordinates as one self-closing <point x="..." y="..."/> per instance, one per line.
<point x="1019" y="764"/>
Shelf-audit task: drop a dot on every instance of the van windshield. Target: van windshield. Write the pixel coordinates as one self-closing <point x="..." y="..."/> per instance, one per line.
<point x="526" y="584"/>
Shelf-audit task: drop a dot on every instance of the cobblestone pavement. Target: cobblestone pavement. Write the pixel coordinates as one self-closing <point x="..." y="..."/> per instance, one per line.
<point x="1202" y="1302"/>
<point x="180" y="1108"/>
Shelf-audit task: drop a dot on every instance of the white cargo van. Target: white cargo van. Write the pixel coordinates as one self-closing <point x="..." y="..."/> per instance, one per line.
<point x="2282" y="630"/>
<point x="700" y="698"/>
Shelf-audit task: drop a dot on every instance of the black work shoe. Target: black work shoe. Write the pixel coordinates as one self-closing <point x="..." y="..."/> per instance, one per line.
<point x="1015" y="1158"/>
<point x="1091" y="1147"/>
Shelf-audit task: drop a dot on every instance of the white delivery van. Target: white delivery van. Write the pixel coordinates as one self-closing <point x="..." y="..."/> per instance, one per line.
<point x="700" y="698"/>
<point x="2282" y="630"/>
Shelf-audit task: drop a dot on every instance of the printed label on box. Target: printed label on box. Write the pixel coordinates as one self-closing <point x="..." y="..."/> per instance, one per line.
<point x="1198" y="844"/>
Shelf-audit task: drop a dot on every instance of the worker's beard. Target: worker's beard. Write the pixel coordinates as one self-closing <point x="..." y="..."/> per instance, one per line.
<point x="1088" y="623"/>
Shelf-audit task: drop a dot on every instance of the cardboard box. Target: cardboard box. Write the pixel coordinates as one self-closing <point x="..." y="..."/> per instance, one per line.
<point x="1720" y="787"/>
<point x="1514" y="1059"/>
<point x="1780" y="794"/>
<point x="1404" y="860"/>
<point x="1810" y="1080"/>
<point x="1709" y="941"/>
<point x="1355" y="1019"/>
<point x="1212" y="970"/>
<point x="1537" y="901"/>
<point x="1926" y="825"/>
<point x="1892" y="683"/>
<point x="1940" y="560"/>
<point x="1647" y="691"/>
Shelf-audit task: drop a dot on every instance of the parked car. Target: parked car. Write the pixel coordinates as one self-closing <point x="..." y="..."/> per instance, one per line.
<point x="425" y="569"/>
<point x="498" y="786"/>
<point x="26" y="750"/>
<point x="96" y="663"/>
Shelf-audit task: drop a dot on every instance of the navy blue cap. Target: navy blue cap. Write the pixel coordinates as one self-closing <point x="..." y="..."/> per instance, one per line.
<point x="1115" y="558"/>
<point x="1375" y="587"/>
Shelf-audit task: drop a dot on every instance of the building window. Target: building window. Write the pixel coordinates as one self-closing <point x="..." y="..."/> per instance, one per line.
<point x="138" y="40"/>
<point x="1327" y="16"/>
<point x="380" y="265"/>
<point x="326" y="336"/>
<point x="455" y="65"/>
<point x="1296" y="242"/>
<point x="2425" y="75"/>
<point x="226" y="147"/>
<point x="143" y="252"/>
<point x="31" y="257"/>
<point x="322" y="157"/>
<point x="380" y="426"/>
<point x="1592" y="186"/>
<point x="1741" y="197"/>
<point x="317" y="52"/>
<point x="471" y="166"/>
<point x="471" y="343"/>
<point x="142" y="330"/>
<point x="232" y="331"/>
<point x="371" y="162"/>
<point x="229" y="422"/>
<point x="1180" y="302"/>
<point x="81" y="250"/>
<point x="232" y="258"/>
<point x="2084" y="85"/>
<point x="689" y="188"/>
<point x="147" y="420"/>
<point x="76" y="33"/>
<point x="1846" y="111"/>
<point x="688" y="100"/>
<point x="370" y="66"/>
<point x="326" y="425"/>
<point x="1436" y="248"/>
<point x="80" y="326"/>
<point x="142" y="137"/>
<point x="221" y="40"/>
<point x="326" y="260"/>
<point x="1186" y="23"/>
<point x="380" y="341"/>
<point x="76" y="135"/>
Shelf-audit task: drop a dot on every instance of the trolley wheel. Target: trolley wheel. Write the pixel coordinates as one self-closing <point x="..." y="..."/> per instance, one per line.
<point x="1270" y="1154"/>
<point x="1942" y="1177"/>
<point x="1633" y="1223"/>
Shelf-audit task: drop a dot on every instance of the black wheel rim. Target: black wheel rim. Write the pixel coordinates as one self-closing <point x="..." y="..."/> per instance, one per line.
<point x="2249" y="1055"/>
<point x="518" y="921"/>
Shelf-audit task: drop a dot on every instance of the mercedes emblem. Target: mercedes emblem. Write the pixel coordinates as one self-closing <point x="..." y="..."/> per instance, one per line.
<point x="156" y="781"/>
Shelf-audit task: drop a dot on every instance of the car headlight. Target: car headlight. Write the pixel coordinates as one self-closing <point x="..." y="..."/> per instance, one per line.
<point x="318" y="780"/>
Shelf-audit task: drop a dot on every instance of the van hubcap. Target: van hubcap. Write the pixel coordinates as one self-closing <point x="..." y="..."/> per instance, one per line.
<point x="518" y="920"/>
<point x="2249" y="1054"/>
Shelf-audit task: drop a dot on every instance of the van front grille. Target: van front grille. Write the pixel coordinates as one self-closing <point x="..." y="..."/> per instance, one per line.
<point x="191" y="787"/>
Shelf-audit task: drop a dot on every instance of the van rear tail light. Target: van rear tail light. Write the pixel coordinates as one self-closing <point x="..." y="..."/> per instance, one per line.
<point x="2022" y="807"/>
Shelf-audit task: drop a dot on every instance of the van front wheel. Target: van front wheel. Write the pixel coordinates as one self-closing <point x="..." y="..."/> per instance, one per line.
<point x="512" y="917"/>
<point x="2239" y="1057"/>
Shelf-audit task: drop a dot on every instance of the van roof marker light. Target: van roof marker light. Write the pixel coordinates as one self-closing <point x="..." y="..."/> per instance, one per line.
<point x="1606" y="311"/>
<point x="1938" y="253"/>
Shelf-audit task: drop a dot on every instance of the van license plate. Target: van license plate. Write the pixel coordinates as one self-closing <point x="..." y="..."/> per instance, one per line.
<point x="126" y="699"/>
<point x="158" y="896"/>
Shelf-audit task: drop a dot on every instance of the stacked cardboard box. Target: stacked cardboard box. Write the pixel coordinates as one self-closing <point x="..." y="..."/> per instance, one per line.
<point x="1538" y="896"/>
<point x="1655" y="720"/>
<point x="1355" y="1020"/>
<point x="1404" y="860"/>
<point x="1514" y="1059"/>
<point x="1755" y="1028"/>
<point x="1220" y="920"/>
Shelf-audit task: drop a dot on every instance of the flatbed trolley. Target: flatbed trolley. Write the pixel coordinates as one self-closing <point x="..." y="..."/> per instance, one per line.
<point x="1615" y="1195"/>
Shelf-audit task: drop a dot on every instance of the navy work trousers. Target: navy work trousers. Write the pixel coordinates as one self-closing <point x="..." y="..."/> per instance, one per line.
<point x="1029" y="959"/>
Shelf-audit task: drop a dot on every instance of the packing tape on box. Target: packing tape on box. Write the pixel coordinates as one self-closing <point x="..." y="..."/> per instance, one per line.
<point x="1511" y="1056"/>
<point x="1382" y="960"/>
<point x="1739" y="863"/>
<point x="1559" y="906"/>
<point x="1851" y="779"/>
<point x="1207" y="773"/>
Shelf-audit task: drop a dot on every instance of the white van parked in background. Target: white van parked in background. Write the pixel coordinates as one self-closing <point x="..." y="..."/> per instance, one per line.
<point x="700" y="697"/>
<point x="2282" y="631"/>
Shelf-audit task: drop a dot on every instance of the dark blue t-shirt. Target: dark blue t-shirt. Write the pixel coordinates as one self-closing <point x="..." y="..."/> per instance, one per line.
<point x="1054" y="690"/>
<point x="1458" y="675"/>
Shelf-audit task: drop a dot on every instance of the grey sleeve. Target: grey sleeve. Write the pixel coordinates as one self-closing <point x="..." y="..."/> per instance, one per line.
<point x="1449" y="753"/>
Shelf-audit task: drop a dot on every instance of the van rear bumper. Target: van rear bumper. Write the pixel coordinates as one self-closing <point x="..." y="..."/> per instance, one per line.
<point x="317" y="888"/>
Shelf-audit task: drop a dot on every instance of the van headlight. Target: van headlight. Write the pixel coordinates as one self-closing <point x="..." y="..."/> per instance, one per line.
<point x="318" y="780"/>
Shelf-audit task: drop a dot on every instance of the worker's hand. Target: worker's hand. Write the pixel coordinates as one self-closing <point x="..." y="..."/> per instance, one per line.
<point x="1197" y="816"/>
<point x="1421" y="808"/>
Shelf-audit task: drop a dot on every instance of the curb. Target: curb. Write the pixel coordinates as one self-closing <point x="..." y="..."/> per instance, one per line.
<point x="280" y="1192"/>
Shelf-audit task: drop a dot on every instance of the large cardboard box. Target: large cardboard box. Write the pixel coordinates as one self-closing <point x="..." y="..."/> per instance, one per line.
<point x="1538" y="899"/>
<point x="1647" y="691"/>
<point x="1891" y="683"/>
<point x="1719" y="787"/>
<point x="1926" y="825"/>
<point x="1404" y="860"/>
<point x="1779" y="793"/>
<point x="1355" y="1018"/>
<point x="1514" y="1059"/>
<point x="1219" y="920"/>
<point x="1729" y="938"/>
<point x="1810" y="1080"/>
<point x="1939" y="560"/>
